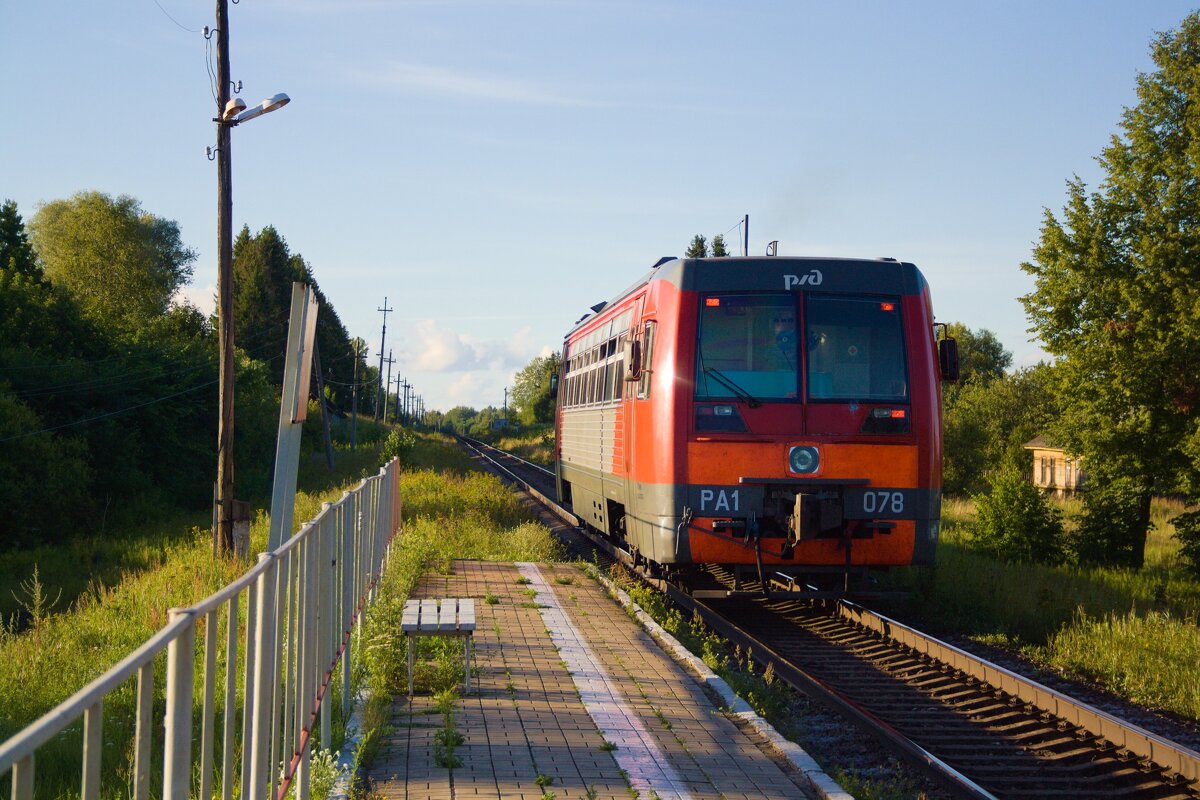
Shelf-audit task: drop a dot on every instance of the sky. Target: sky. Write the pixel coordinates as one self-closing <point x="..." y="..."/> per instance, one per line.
<point x="493" y="169"/>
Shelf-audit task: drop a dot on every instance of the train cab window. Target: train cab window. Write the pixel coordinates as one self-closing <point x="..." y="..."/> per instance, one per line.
<point x="855" y="349"/>
<point x="643" y="390"/>
<point x="746" y="346"/>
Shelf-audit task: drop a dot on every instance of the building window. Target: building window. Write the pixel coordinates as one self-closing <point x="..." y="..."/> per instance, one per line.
<point x="1043" y="482"/>
<point x="1053" y="473"/>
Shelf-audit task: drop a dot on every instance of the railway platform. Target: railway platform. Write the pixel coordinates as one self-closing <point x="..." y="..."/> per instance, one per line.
<point x="574" y="699"/>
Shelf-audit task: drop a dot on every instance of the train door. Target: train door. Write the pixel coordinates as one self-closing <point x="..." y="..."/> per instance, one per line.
<point x="629" y="423"/>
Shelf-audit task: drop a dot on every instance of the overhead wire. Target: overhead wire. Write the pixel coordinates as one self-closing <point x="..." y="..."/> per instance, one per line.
<point x="168" y="16"/>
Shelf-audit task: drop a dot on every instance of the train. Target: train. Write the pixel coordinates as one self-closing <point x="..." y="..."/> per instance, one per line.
<point x="764" y="413"/>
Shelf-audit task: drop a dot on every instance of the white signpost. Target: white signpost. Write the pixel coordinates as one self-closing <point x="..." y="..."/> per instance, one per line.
<point x="293" y="408"/>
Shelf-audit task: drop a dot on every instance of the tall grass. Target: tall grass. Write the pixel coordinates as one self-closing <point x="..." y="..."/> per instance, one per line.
<point x="72" y="569"/>
<point x="59" y="650"/>
<point x="1099" y="624"/>
<point x="534" y="443"/>
<point x="449" y="512"/>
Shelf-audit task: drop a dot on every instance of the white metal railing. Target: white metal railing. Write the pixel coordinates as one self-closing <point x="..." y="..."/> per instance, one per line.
<point x="288" y="642"/>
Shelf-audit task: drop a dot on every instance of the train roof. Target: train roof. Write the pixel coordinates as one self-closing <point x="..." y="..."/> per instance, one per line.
<point x="885" y="276"/>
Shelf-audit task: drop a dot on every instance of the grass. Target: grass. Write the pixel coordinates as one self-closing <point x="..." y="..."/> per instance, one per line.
<point x="60" y="651"/>
<point x="534" y="443"/>
<point x="75" y="567"/>
<point x="449" y="513"/>
<point x="1099" y="624"/>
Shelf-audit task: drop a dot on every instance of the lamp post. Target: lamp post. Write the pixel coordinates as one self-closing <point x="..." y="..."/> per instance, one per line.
<point x="230" y="113"/>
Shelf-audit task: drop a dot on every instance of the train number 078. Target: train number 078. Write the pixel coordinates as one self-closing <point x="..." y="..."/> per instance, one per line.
<point x="882" y="502"/>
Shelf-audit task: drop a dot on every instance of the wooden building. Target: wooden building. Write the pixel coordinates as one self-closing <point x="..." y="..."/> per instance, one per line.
<point x="1054" y="469"/>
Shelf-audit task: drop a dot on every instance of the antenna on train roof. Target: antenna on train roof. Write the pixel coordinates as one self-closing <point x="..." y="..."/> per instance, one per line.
<point x="599" y="306"/>
<point x="663" y="260"/>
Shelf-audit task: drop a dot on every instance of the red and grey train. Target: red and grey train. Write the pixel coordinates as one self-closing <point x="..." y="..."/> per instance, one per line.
<point x="784" y="412"/>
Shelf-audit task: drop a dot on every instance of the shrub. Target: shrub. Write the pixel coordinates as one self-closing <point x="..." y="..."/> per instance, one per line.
<point x="1187" y="531"/>
<point x="1015" y="522"/>
<point x="399" y="444"/>
<point x="1113" y="528"/>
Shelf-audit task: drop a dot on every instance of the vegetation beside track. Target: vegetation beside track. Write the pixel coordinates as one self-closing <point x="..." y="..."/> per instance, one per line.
<point x="62" y="647"/>
<point x="450" y="511"/>
<point x="1132" y="632"/>
<point x="774" y="700"/>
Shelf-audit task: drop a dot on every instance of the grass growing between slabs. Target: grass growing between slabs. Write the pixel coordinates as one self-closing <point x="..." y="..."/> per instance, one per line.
<point x="1133" y="633"/>
<point x="450" y="512"/>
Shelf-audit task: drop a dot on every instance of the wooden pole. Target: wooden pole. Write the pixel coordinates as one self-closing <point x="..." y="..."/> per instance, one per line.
<point x="223" y="536"/>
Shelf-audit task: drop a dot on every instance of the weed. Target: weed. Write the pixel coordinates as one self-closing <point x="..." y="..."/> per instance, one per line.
<point x="523" y="581"/>
<point x="564" y="580"/>
<point x="543" y="780"/>
<point x="529" y="592"/>
<point x="491" y="599"/>
<point x="607" y="746"/>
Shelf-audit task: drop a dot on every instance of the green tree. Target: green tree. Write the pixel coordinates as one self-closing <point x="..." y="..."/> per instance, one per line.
<point x="262" y="295"/>
<point x="986" y="422"/>
<point x="1117" y="300"/>
<point x="981" y="355"/>
<point x="698" y="248"/>
<point x="531" y="390"/>
<point x="16" y="254"/>
<point x="121" y="263"/>
<point x="719" y="249"/>
<point x="1015" y="522"/>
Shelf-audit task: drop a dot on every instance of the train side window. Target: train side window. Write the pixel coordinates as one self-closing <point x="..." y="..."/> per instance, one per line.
<point x="647" y="360"/>
<point x="610" y="372"/>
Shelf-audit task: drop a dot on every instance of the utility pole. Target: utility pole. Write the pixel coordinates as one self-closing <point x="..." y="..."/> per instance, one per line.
<point x="382" y="340"/>
<point x="388" y="385"/>
<point x="223" y="536"/>
<point x="354" y="400"/>
<point x="399" y="381"/>
<point x="506" y="404"/>
<point x="407" y="386"/>
<point x="746" y="236"/>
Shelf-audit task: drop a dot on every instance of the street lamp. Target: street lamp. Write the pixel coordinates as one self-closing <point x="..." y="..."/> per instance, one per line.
<point x="232" y="112"/>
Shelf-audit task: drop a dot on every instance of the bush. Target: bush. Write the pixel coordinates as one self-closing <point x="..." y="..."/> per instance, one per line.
<point x="1113" y="528"/>
<point x="1187" y="531"/>
<point x="399" y="444"/>
<point x="1015" y="522"/>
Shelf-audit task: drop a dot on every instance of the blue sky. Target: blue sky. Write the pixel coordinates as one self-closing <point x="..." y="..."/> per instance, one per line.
<point x="494" y="168"/>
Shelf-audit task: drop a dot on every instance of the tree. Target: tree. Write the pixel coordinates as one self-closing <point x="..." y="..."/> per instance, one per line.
<point x="16" y="254"/>
<point x="698" y="248"/>
<point x="262" y="295"/>
<point x="1015" y="522"/>
<point x="1117" y="300"/>
<point x="987" y="422"/>
<point x="718" y="246"/>
<point x="121" y="263"/>
<point x="531" y="390"/>
<point x="981" y="356"/>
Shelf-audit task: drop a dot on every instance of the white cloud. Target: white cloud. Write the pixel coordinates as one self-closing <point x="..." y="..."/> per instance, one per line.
<point x="439" y="349"/>
<point x="427" y="79"/>
<point x="203" y="298"/>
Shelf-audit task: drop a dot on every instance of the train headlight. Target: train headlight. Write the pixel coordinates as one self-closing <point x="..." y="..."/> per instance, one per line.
<point x="804" y="460"/>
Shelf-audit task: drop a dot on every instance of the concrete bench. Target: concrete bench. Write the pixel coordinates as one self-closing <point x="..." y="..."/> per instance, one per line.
<point x="448" y="617"/>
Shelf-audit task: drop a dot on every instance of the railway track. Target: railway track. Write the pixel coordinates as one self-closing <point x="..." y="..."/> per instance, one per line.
<point x="979" y="729"/>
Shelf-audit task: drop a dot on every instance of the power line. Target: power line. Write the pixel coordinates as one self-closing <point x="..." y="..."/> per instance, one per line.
<point x="168" y="16"/>
<point x="108" y="414"/>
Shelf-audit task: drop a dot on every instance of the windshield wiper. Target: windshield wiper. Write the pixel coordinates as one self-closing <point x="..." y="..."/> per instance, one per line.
<point x="741" y="393"/>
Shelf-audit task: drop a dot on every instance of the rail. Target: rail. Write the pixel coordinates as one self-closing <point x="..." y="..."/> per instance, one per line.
<point x="1120" y="734"/>
<point x="285" y="628"/>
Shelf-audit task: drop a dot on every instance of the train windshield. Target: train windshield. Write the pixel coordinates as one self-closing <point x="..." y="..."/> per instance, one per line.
<point x="855" y="349"/>
<point x="748" y="347"/>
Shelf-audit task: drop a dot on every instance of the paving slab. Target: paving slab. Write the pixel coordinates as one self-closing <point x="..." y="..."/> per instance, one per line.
<point x="571" y="692"/>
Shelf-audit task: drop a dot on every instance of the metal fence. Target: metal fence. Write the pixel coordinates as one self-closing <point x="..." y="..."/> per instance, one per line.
<point x="284" y="628"/>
